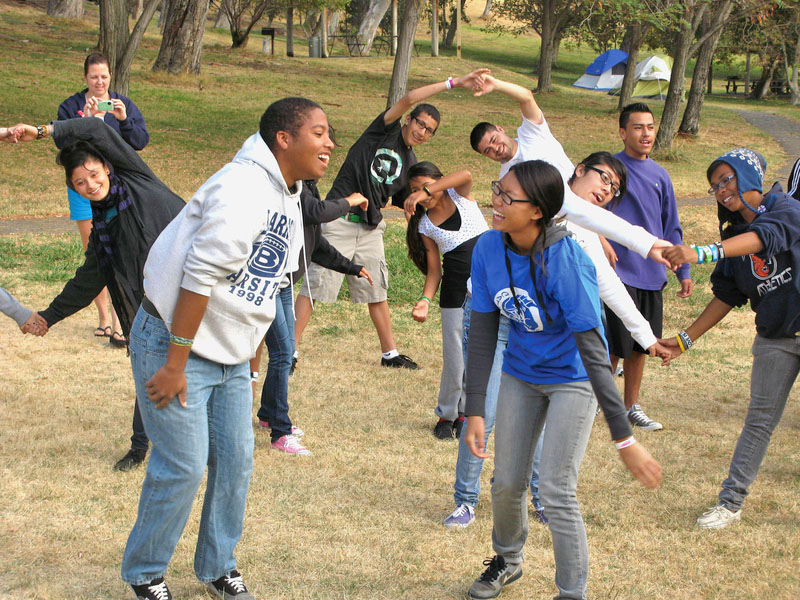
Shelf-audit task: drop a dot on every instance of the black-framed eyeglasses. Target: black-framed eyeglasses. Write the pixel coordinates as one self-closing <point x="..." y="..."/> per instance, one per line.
<point x="421" y="124"/>
<point x="498" y="191"/>
<point x="606" y="179"/>
<point x="721" y="184"/>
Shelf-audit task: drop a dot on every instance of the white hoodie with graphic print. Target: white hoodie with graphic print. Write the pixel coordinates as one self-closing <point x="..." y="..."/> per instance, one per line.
<point x="234" y="241"/>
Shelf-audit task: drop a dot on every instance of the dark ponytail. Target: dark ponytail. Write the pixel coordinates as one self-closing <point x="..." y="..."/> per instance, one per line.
<point x="416" y="248"/>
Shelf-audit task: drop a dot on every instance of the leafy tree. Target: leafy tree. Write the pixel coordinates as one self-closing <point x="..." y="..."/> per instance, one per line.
<point x="551" y="19"/>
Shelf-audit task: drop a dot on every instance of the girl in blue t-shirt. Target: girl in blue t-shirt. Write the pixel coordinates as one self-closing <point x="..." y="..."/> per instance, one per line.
<point x="531" y="271"/>
<point x="447" y="220"/>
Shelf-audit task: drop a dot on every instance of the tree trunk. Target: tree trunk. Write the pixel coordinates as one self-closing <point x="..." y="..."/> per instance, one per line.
<point x="182" y="41"/>
<point x="761" y="90"/>
<point x="239" y="38"/>
<point x="487" y="10"/>
<point x="290" y="31"/>
<point x="405" y="45"/>
<point x="702" y="70"/>
<point x="453" y="27"/>
<point x="222" y="20"/>
<point x="114" y="33"/>
<point x="122" y="71"/>
<point x="371" y="20"/>
<point x="634" y="34"/>
<point x="333" y="21"/>
<point x="67" y="9"/>
<point x="135" y="7"/>
<point x="546" y="54"/>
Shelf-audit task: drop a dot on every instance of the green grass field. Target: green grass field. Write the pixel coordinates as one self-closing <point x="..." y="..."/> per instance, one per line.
<point x="361" y="519"/>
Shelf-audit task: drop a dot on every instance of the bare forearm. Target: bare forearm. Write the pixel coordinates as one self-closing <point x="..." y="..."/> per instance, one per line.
<point x="189" y="311"/>
<point x="742" y="244"/>
<point x="713" y="314"/>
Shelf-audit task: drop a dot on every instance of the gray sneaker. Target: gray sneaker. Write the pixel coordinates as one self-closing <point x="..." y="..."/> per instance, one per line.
<point x="497" y="575"/>
<point x="638" y="419"/>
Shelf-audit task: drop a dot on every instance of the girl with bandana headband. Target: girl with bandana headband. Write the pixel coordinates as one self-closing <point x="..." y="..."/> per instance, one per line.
<point x="757" y="261"/>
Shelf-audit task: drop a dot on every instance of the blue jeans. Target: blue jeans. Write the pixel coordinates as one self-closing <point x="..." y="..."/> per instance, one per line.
<point x="569" y="410"/>
<point x="775" y="366"/>
<point x="468" y="466"/>
<point x="280" y="345"/>
<point x="214" y="430"/>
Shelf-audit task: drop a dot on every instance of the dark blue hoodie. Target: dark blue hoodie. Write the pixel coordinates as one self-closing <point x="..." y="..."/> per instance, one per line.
<point x="769" y="280"/>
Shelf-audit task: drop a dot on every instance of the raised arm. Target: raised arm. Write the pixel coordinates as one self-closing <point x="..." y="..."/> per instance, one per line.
<point x="461" y="181"/>
<point x="470" y="81"/>
<point x="527" y="103"/>
<point x="738" y="245"/>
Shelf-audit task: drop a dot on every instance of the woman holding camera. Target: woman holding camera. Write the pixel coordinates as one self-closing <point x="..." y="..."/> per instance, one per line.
<point x="122" y="115"/>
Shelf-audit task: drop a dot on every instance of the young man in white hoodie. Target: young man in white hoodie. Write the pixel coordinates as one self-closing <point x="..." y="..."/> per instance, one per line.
<point x="211" y="280"/>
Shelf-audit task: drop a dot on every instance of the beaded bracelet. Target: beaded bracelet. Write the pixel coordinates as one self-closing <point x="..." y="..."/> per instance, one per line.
<point x="180" y="341"/>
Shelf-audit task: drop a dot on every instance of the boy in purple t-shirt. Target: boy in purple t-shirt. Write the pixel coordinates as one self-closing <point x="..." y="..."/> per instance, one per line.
<point x="650" y="203"/>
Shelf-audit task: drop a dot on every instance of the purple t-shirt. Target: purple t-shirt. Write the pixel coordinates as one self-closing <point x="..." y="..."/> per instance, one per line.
<point x="650" y="203"/>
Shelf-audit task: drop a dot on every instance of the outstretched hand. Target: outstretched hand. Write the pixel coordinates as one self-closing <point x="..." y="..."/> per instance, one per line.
<point x="488" y="84"/>
<point x="642" y="466"/>
<point x="473" y="81"/>
<point x="680" y="255"/>
<point x="657" y="253"/>
<point x="23" y="133"/>
<point x="673" y="350"/>
<point x="35" y="325"/>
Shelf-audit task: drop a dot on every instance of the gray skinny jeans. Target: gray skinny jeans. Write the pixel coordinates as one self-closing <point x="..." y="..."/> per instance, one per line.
<point x="522" y="408"/>
<point x="775" y="366"/>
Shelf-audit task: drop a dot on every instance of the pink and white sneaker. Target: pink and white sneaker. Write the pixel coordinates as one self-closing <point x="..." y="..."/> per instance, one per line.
<point x="296" y="431"/>
<point x="291" y="445"/>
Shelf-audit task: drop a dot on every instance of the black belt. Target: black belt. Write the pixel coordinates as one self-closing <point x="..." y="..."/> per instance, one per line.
<point x="148" y="307"/>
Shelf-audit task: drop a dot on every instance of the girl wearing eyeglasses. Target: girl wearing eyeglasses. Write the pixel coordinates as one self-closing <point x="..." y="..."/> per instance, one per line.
<point x="531" y="271"/>
<point x="447" y="220"/>
<point x="757" y="261"/>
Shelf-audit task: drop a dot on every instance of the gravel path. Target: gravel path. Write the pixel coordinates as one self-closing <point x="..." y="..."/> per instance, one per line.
<point x="784" y="131"/>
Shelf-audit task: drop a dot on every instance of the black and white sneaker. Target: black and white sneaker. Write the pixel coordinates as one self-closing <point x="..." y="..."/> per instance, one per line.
<point x="401" y="361"/>
<point x="230" y="586"/>
<point x="497" y="575"/>
<point x="638" y="419"/>
<point x="155" y="590"/>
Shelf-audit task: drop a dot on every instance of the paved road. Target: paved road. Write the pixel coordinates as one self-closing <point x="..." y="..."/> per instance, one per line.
<point x="784" y="131"/>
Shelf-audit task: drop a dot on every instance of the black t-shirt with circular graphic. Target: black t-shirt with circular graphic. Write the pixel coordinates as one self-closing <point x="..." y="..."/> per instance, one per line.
<point x="376" y="166"/>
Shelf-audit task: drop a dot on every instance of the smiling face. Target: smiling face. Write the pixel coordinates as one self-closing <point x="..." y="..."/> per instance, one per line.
<point x="588" y="184"/>
<point x="497" y="145"/>
<point x="418" y="130"/>
<point x="418" y="183"/>
<point x="90" y="180"/>
<point x="638" y="134"/>
<point x="98" y="78"/>
<point x="519" y="219"/>
<point x="308" y="151"/>
<point x="728" y="196"/>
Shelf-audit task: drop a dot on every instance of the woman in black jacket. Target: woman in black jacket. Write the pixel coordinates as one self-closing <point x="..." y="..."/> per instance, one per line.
<point x="130" y="208"/>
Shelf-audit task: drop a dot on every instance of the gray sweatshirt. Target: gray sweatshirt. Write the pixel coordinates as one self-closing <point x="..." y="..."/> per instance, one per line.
<point x="11" y="307"/>
<point x="234" y="241"/>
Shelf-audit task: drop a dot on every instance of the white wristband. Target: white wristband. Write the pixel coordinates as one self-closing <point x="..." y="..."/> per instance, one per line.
<point x="625" y="443"/>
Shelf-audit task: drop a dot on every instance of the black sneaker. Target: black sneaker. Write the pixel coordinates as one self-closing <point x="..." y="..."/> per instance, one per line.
<point x="443" y="430"/>
<point x="497" y="575"/>
<point x="230" y="586"/>
<point x="131" y="460"/>
<point x="401" y="361"/>
<point x="458" y="425"/>
<point x="155" y="590"/>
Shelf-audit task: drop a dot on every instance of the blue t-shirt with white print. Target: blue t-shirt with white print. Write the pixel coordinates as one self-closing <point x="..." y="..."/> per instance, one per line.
<point x="538" y="351"/>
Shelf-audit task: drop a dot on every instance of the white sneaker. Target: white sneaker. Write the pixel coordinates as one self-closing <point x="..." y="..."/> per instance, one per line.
<point x="718" y="517"/>
<point x="291" y="445"/>
<point x="638" y="419"/>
